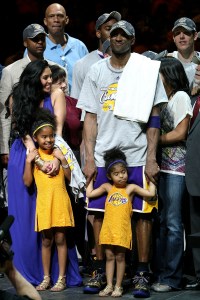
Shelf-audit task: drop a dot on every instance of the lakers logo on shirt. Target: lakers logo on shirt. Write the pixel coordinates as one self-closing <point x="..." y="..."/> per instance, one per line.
<point x="108" y="98"/>
<point x="117" y="199"/>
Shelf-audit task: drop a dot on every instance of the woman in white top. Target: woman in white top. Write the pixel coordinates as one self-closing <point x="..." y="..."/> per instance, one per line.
<point x="175" y="119"/>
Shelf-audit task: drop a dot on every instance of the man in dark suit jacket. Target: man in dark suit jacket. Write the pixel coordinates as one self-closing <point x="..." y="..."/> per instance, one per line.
<point x="192" y="175"/>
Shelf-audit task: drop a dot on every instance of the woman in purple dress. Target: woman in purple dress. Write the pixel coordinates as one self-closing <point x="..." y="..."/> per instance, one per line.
<point x="33" y="91"/>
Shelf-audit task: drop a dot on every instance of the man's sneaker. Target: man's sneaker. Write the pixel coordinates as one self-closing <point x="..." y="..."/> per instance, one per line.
<point x="193" y="284"/>
<point x="96" y="283"/>
<point x="161" y="287"/>
<point x="141" y="282"/>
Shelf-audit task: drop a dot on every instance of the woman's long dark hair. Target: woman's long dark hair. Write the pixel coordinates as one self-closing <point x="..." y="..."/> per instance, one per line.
<point x="174" y="74"/>
<point x="27" y="95"/>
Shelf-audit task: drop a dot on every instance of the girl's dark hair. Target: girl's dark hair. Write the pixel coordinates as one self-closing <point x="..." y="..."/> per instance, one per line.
<point x="113" y="155"/>
<point x="27" y="95"/>
<point x="57" y="73"/>
<point x="43" y="116"/>
<point x="174" y="74"/>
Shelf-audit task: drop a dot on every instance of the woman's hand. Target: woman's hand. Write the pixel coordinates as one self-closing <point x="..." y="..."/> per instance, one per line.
<point x="51" y="168"/>
<point x="46" y="166"/>
<point x="31" y="155"/>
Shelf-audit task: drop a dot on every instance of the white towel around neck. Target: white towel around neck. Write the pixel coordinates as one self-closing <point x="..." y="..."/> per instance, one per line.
<point x="136" y="89"/>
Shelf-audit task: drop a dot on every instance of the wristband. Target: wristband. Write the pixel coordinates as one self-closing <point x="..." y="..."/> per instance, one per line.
<point x="39" y="162"/>
<point x="154" y="122"/>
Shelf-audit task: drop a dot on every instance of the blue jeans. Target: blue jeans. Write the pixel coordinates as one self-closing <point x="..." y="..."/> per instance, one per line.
<point x="170" y="231"/>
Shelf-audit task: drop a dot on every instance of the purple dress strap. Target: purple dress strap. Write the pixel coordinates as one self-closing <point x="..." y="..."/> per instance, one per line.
<point x="48" y="104"/>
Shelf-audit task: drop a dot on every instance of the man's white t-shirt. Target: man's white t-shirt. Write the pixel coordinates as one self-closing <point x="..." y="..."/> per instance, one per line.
<point x="98" y="96"/>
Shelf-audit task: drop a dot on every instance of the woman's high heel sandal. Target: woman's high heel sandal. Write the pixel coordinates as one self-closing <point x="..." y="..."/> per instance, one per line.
<point x="60" y="284"/>
<point x="107" y="291"/>
<point x="45" y="284"/>
<point x="118" y="291"/>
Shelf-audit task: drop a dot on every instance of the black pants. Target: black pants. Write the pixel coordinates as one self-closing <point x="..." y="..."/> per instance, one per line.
<point x="195" y="227"/>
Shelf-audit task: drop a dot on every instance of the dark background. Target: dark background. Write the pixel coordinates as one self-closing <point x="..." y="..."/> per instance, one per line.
<point x="152" y="19"/>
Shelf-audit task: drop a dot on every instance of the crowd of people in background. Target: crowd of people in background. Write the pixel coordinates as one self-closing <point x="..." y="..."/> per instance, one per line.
<point x="146" y="17"/>
<point x="99" y="150"/>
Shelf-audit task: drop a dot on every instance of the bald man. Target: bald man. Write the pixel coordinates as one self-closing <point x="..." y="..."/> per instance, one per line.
<point x="60" y="46"/>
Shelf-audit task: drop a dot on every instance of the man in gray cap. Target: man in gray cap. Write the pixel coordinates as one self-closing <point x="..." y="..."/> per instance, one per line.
<point x="31" y="31"/>
<point x="186" y="23"/>
<point x="184" y="36"/>
<point x="34" y="40"/>
<point x="80" y="69"/>
<point x="104" y="18"/>
<point x="104" y="131"/>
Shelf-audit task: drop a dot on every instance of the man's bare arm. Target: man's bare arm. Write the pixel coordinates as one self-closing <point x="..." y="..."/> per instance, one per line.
<point x="153" y="134"/>
<point x="89" y="136"/>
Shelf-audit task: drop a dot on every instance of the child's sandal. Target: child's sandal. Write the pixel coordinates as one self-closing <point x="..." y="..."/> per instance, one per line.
<point x="60" y="285"/>
<point x="118" y="291"/>
<point x="45" y="284"/>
